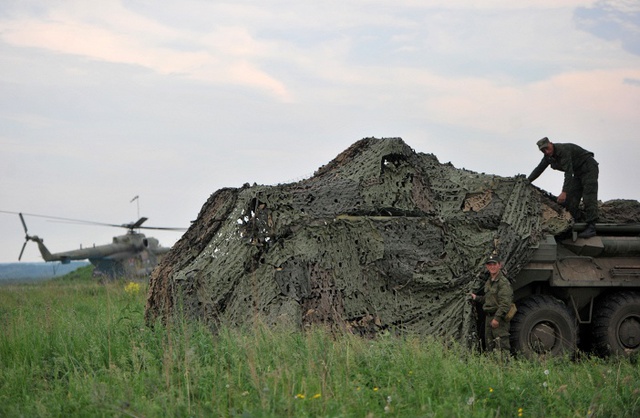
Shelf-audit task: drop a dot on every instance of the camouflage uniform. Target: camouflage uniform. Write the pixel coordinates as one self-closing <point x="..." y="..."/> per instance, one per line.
<point x="496" y="301"/>
<point x="580" y="178"/>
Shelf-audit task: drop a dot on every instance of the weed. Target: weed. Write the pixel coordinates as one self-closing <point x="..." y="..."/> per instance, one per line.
<point x="74" y="347"/>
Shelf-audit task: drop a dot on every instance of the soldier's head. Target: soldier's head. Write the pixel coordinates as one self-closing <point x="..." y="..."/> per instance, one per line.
<point x="545" y="146"/>
<point x="493" y="265"/>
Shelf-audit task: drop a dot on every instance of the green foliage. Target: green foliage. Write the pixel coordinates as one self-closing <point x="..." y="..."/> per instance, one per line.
<point x="78" y="275"/>
<point x="74" y="347"/>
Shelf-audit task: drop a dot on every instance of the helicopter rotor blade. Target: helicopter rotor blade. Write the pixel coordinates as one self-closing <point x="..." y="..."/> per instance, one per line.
<point x="58" y="219"/>
<point x="130" y="226"/>
<point x="136" y="224"/>
<point x="24" y="225"/>
<point x="160" y="228"/>
<point x="82" y="222"/>
<point x="126" y="226"/>
<point x="26" y="236"/>
<point x="22" y="250"/>
<point x="139" y="222"/>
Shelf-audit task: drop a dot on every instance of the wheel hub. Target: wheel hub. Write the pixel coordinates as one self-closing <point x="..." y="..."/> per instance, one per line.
<point x="629" y="332"/>
<point x="543" y="337"/>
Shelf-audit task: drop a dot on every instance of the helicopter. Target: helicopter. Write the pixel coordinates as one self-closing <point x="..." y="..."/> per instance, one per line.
<point x="129" y="255"/>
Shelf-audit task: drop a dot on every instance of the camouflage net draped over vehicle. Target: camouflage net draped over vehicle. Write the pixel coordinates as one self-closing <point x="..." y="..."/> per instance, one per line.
<point x="380" y="238"/>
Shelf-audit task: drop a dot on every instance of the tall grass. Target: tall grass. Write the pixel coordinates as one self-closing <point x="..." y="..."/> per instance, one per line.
<point x="73" y="347"/>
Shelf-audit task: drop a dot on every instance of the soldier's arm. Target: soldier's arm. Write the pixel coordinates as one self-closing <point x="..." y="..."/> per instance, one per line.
<point x="505" y="298"/>
<point x="538" y="170"/>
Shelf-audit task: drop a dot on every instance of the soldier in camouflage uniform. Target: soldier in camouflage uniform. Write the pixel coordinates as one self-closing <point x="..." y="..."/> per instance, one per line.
<point x="496" y="302"/>
<point x="580" y="179"/>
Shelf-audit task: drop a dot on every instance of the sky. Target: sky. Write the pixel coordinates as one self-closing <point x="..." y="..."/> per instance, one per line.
<point x="170" y="101"/>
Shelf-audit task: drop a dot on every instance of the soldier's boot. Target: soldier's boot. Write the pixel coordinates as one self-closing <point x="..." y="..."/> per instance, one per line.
<point x="589" y="231"/>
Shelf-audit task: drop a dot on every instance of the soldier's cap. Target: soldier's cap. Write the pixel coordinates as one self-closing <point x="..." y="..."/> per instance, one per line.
<point x="542" y="144"/>
<point x="493" y="259"/>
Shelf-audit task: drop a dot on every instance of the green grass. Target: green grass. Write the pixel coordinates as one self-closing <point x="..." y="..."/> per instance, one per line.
<point x="73" y="347"/>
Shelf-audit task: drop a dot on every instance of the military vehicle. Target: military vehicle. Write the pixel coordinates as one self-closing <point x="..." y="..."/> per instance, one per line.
<point x="580" y="290"/>
<point x="129" y="255"/>
<point x="386" y="239"/>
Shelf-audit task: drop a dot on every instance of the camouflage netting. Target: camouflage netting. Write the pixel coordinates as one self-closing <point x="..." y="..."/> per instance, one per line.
<point x="380" y="238"/>
<point x="619" y="211"/>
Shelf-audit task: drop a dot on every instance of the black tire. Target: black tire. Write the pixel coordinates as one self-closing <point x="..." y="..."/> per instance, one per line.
<point x="616" y="324"/>
<point x="543" y="326"/>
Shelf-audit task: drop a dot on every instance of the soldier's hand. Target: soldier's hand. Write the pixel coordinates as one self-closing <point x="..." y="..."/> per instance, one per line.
<point x="494" y="323"/>
<point x="562" y="197"/>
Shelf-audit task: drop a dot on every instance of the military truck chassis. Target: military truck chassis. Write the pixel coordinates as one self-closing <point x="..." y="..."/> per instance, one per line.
<point x="575" y="290"/>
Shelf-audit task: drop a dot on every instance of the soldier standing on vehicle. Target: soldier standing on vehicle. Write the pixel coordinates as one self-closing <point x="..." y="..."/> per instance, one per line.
<point x="496" y="303"/>
<point x="580" y="179"/>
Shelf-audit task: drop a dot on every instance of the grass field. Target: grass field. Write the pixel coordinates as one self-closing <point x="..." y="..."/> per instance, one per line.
<point x="73" y="347"/>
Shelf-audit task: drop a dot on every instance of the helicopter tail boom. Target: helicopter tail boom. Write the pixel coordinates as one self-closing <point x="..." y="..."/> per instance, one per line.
<point x="44" y="251"/>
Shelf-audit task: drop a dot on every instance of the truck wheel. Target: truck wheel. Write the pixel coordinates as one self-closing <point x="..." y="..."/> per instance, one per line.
<point x="616" y="324"/>
<point x="543" y="325"/>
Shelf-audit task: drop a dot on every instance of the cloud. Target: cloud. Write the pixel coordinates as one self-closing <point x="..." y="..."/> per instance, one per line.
<point x="613" y="20"/>
<point x="280" y="48"/>
<point x="114" y="34"/>
<point x="579" y="98"/>
<point x="632" y="81"/>
<point x="449" y="66"/>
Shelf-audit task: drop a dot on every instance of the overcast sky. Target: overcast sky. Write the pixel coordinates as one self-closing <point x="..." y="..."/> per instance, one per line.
<point x="170" y="101"/>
